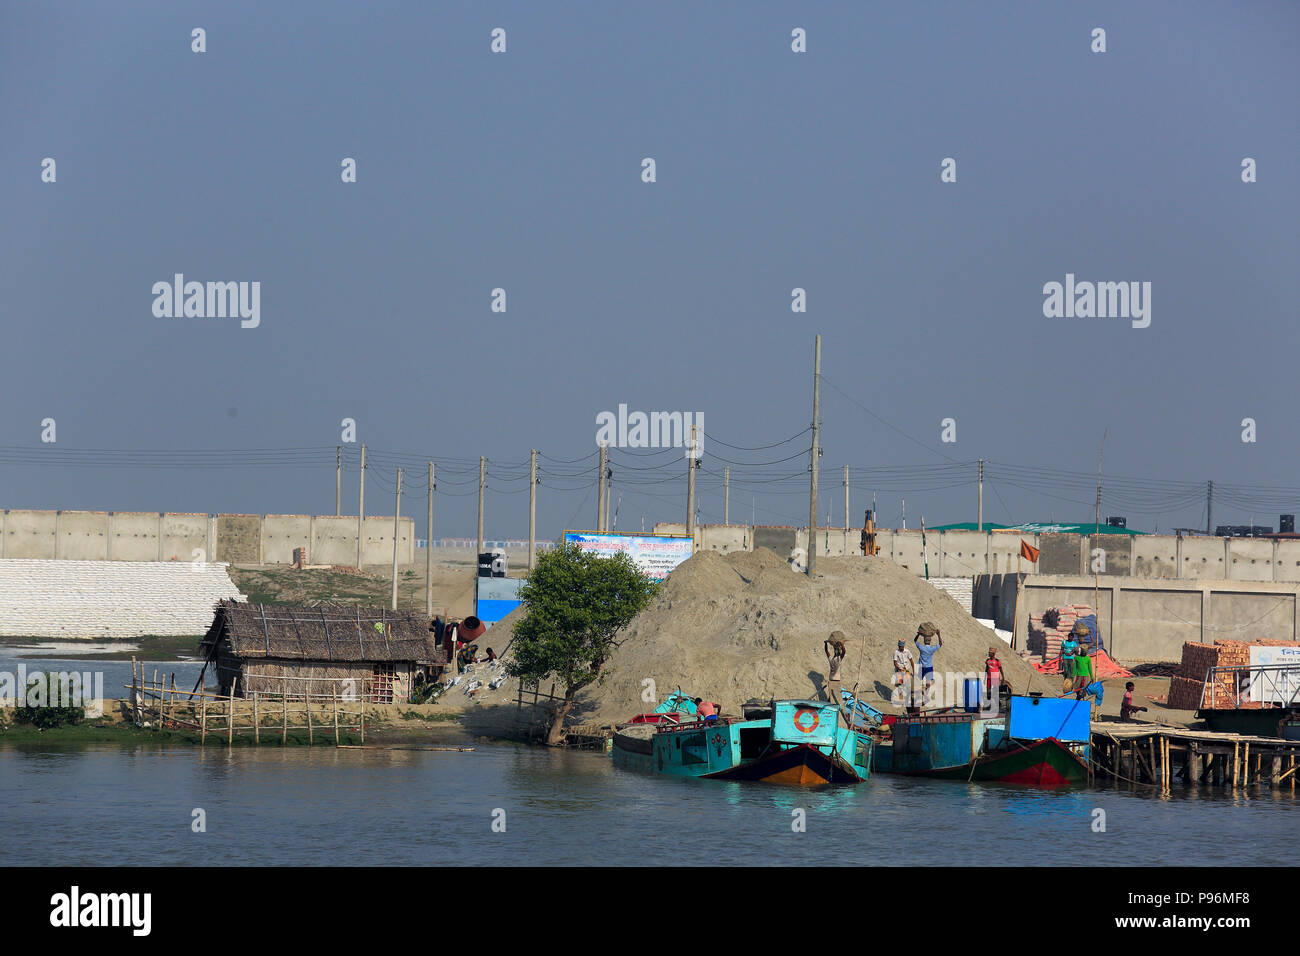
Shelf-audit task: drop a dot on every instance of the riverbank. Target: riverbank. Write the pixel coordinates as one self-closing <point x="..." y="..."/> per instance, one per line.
<point x="385" y="724"/>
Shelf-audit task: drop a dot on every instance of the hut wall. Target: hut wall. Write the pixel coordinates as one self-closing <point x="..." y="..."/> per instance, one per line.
<point x="264" y="676"/>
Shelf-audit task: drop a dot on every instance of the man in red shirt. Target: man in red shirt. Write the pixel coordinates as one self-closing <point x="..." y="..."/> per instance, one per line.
<point x="706" y="710"/>
<point x="1127" y="709"/>
<point x="992" y="673"/>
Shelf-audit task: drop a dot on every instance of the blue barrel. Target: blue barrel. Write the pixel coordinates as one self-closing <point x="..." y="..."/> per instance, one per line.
<point x="972" y="694"/>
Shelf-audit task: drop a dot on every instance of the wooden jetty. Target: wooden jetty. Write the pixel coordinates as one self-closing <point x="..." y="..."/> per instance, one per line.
<point x="1157" y="755"/>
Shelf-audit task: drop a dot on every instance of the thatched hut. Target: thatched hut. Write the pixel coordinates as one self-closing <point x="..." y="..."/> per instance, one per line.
<point x="373" y="653"/>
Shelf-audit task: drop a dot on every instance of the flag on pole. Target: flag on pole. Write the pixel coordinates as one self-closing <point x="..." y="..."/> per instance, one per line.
<point x="1028" y="551"/>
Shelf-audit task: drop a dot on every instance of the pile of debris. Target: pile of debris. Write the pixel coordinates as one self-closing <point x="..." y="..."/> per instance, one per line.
<point x="1231" y="691"/>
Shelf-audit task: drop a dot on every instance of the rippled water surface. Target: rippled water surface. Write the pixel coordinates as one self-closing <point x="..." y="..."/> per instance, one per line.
<point x="105" y="804"/>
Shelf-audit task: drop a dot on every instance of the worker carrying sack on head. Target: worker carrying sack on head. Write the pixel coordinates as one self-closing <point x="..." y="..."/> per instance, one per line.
<point x="928" y="631"/>
<point x="835" y="656"/>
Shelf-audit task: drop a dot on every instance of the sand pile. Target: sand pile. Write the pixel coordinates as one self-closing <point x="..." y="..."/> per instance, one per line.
<point x="730" y="627"/>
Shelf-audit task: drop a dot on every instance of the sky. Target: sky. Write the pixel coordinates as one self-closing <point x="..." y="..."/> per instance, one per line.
<point x="774" y="170"/>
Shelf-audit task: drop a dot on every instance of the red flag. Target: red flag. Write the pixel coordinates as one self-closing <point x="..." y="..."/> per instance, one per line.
<point x="1028" y="551"/>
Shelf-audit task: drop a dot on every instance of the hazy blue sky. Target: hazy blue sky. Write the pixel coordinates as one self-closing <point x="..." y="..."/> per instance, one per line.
<point x="775" y="170"/>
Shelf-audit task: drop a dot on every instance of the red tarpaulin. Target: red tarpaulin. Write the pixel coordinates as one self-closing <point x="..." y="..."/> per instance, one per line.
<point x="1103" y="667"/>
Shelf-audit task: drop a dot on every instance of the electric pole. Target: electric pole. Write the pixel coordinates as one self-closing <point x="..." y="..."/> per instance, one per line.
<point x="600" y="492"/>
<point x="1209" y="507"/>
<point x="482" y="486"/>
<point x="726" y="495"/>
<point x="397" y="524"/>
<point x="338" y="481"/>
<point x="816" y="450"/>
<point x="532" y="510"/>
<point x="846" y="497"/>
<point x="690" y="488"/>
<point x="428" y="553"/>
<point x="361" y="507"/>
<point x="981" y="504"/>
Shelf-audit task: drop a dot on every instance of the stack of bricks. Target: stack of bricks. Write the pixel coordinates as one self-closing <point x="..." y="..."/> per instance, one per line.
<point x="1187" y="690"/>
<point x="1048" y="630"/>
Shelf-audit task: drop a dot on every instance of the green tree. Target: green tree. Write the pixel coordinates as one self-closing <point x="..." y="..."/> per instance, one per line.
<point x="576" y="603"/>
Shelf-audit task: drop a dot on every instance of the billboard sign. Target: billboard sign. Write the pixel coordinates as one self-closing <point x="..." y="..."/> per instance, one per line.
<point x="654" y="554"/>
<point x="1280" y="682"/>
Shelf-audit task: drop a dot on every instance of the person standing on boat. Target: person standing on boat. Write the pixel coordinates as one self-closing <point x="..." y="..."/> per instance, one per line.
<point x="927" y="651"/>
<point x="835" y="655"/>
<point x="904" y="671"/>
<point x="992" y="674"/>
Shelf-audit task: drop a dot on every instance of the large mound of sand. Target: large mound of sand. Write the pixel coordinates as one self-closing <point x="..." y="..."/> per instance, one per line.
<point x="730" y="627"/>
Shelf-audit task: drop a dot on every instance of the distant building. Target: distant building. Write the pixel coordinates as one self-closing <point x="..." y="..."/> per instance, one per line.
<point x="1242" y="530"/>
<point x="295" y="650"/>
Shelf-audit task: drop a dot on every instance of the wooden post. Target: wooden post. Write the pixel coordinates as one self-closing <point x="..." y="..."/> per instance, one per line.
<point x="1245" y="765"/>
<point x="1236" y="764"/>
<point x="307" y="699"/>
<point x="363" y="708"/>
<point x="336" y="715"/>
<point x="1275" y="772"/>
<point x="230" y="714"/>
<point x="257" y="721"/>
<point x="203" y="719"/>
<point x="284" y="699"/>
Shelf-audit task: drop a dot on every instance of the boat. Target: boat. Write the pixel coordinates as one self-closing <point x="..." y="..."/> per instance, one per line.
<point x="1038" y="741"/>
<point x="1261" y="699"/>
<point x="792" y="742"/>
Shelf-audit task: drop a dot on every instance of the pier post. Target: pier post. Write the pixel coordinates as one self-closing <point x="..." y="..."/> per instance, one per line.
<point x="257" y="721"/>
<point x="1275" y="772"/>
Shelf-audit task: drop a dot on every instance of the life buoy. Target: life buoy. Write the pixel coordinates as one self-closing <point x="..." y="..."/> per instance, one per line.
<point x="799" y="720"/>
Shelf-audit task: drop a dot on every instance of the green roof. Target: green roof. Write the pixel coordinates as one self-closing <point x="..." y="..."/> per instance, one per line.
<point x="1038" y="527"/>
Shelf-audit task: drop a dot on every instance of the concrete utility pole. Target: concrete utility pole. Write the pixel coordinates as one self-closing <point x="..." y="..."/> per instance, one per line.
<point x="980" y="526"/>
<point x="361" y="507"/>
<point x="690" y="488"/>
<point x="726" y="494"/>
<point x="482" y="487"/>
<point x="609" y="495"/>
<point x="600" y="492"/>
<point x="846" y="497"/>
<point x="338" y="481"/>
<point x="428" y="553"/>
<point x="532" y="510"/>
<point x="397" y="526"/>
<point x="816" y="451"/>
<point x="1209" y="507"/>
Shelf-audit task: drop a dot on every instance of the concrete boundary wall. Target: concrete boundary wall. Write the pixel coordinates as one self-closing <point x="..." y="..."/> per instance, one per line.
<point x="236" y="539"/>
<point x="1146" y="619"/>
<point x="962" y="553"/>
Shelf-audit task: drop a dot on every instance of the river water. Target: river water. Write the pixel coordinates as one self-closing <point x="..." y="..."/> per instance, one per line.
<point x="107" y="804"/>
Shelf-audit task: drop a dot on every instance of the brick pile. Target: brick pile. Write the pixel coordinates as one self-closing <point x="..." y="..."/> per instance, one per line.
<point x="1230" y="691"/>
<point x="1048" y="630"/>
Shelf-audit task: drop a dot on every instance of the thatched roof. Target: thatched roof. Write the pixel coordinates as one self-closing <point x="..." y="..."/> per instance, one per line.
<point x="324" y="632"/>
